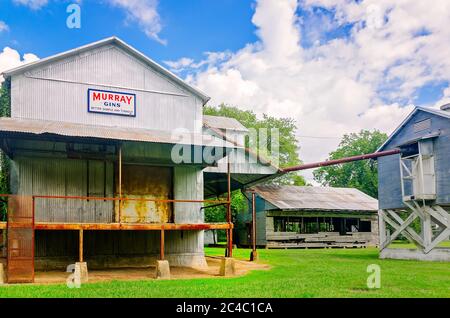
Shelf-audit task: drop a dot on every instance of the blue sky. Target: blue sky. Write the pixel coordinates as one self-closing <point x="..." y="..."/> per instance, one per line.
<point x="335" y="66"/>
<point x="190" y="27"/>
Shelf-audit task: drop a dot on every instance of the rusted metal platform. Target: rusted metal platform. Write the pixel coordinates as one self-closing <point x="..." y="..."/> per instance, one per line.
<point x="126" y="226"/>
<point x="131" y="226"/>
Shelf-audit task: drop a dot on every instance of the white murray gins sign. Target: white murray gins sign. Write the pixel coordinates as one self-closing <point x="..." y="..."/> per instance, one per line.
<point x="108" y="102"/>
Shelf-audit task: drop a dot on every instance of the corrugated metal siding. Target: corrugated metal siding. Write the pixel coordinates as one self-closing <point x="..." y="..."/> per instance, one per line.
<point x="316" y="198"/>
<point x="442" y="162"/>
<point x="223" y="123"/>
<point x="188" y="184"/>
<point x="63" y="101"/>
<point x="389" y="183"/>
<point x="241" y="163"/>
<point x="43" y="176"/>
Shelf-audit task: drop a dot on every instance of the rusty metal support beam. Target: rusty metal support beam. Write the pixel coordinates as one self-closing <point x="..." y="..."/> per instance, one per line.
<point x="161" y="246"/>
<point x="80" y="249"/>
<point x="343" y="160"/>
<point x="131" y="226"/>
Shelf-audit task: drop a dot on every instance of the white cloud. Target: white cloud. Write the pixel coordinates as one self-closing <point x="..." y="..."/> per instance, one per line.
<point x="145" y="13"/>
<point x="3" y="26"/>
<point x="181" y="64"/>
<point x="340" y="85"/>
<point x="32" y="4"/>
<point x="10" y="58"/>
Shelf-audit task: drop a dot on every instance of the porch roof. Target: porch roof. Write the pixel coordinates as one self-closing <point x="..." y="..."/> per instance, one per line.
<point x="290" y="198"/>
<point x="68" y="129"/>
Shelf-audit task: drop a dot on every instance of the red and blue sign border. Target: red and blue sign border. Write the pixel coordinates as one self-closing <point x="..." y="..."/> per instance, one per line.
<point x="105" y="113"/>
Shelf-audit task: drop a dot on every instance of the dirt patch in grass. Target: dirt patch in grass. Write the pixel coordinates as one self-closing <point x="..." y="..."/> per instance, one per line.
<point x="242" y="268"/>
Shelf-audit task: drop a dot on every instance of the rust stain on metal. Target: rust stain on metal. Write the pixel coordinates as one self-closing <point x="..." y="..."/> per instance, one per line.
<point x="131" y="226"/>
<point x="20" y="240"/>
<point x="141" y="183"/>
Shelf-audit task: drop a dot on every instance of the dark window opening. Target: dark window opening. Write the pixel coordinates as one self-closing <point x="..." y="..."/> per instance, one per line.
<point x="410" y="150"/>
<point x="311" y="225"/>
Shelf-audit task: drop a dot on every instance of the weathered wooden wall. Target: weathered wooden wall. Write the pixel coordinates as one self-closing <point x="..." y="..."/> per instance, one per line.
<point x="266" y="236"/>
<point x="389" y="185"/>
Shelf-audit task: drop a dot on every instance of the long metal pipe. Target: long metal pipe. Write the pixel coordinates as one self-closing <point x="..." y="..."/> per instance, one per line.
<point x="343" y="160"/>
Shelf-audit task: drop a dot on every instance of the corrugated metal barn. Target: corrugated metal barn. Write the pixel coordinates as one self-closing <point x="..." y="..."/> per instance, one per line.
<point x="92" y="137"/>
<point x="308" y="217"/>
<point x="414" y="186"/>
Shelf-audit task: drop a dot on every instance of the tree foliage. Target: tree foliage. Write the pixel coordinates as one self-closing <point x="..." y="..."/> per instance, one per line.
<point x="288" y="148"/>
<point x="359" y="174"/>
<point x="5" y="111"/>
<point x="288" y="154"/>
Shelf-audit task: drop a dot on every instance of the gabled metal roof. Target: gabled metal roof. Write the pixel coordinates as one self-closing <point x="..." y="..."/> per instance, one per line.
<point x="223" y="123"/>
<point x="433" y="111"/>
<point x="45" y="127"/>
<point x="317" y="198"/>
<point x="108" y="41"/>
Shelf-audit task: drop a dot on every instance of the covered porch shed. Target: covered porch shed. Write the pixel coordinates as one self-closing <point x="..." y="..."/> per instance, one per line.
<point x="310" y="217"/>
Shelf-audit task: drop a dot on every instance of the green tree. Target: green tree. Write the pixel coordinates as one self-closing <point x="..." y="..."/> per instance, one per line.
<point x="5" y="111"/>
<point x="288" y="154"/>
<point x="359" y="174"/>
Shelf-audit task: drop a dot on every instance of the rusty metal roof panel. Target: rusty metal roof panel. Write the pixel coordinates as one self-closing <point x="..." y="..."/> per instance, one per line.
<point x="317" y="198"/>
<point x="223" y="123"/>
<point x="40" y="127"/>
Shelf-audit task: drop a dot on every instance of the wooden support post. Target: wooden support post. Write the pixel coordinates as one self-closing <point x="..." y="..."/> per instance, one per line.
<point x="254" y="253"/>
<point x="253" y="221"/>
<point x="427" y="234"/>
<point x="80" y="250"/>
<point x="161" y="246"/>
<point x="381" y="229"/>
<point x="229" y="218"/>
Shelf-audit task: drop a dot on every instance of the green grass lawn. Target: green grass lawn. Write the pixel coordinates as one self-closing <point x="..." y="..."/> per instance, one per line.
<point x="294" y="273"/>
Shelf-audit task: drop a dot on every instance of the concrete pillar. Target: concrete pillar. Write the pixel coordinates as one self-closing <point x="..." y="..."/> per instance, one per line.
<point x="81" y="272"/>
<point x="227" y="267"/>
<point x="162" y="269"/>
<point x="2" y="274"/>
